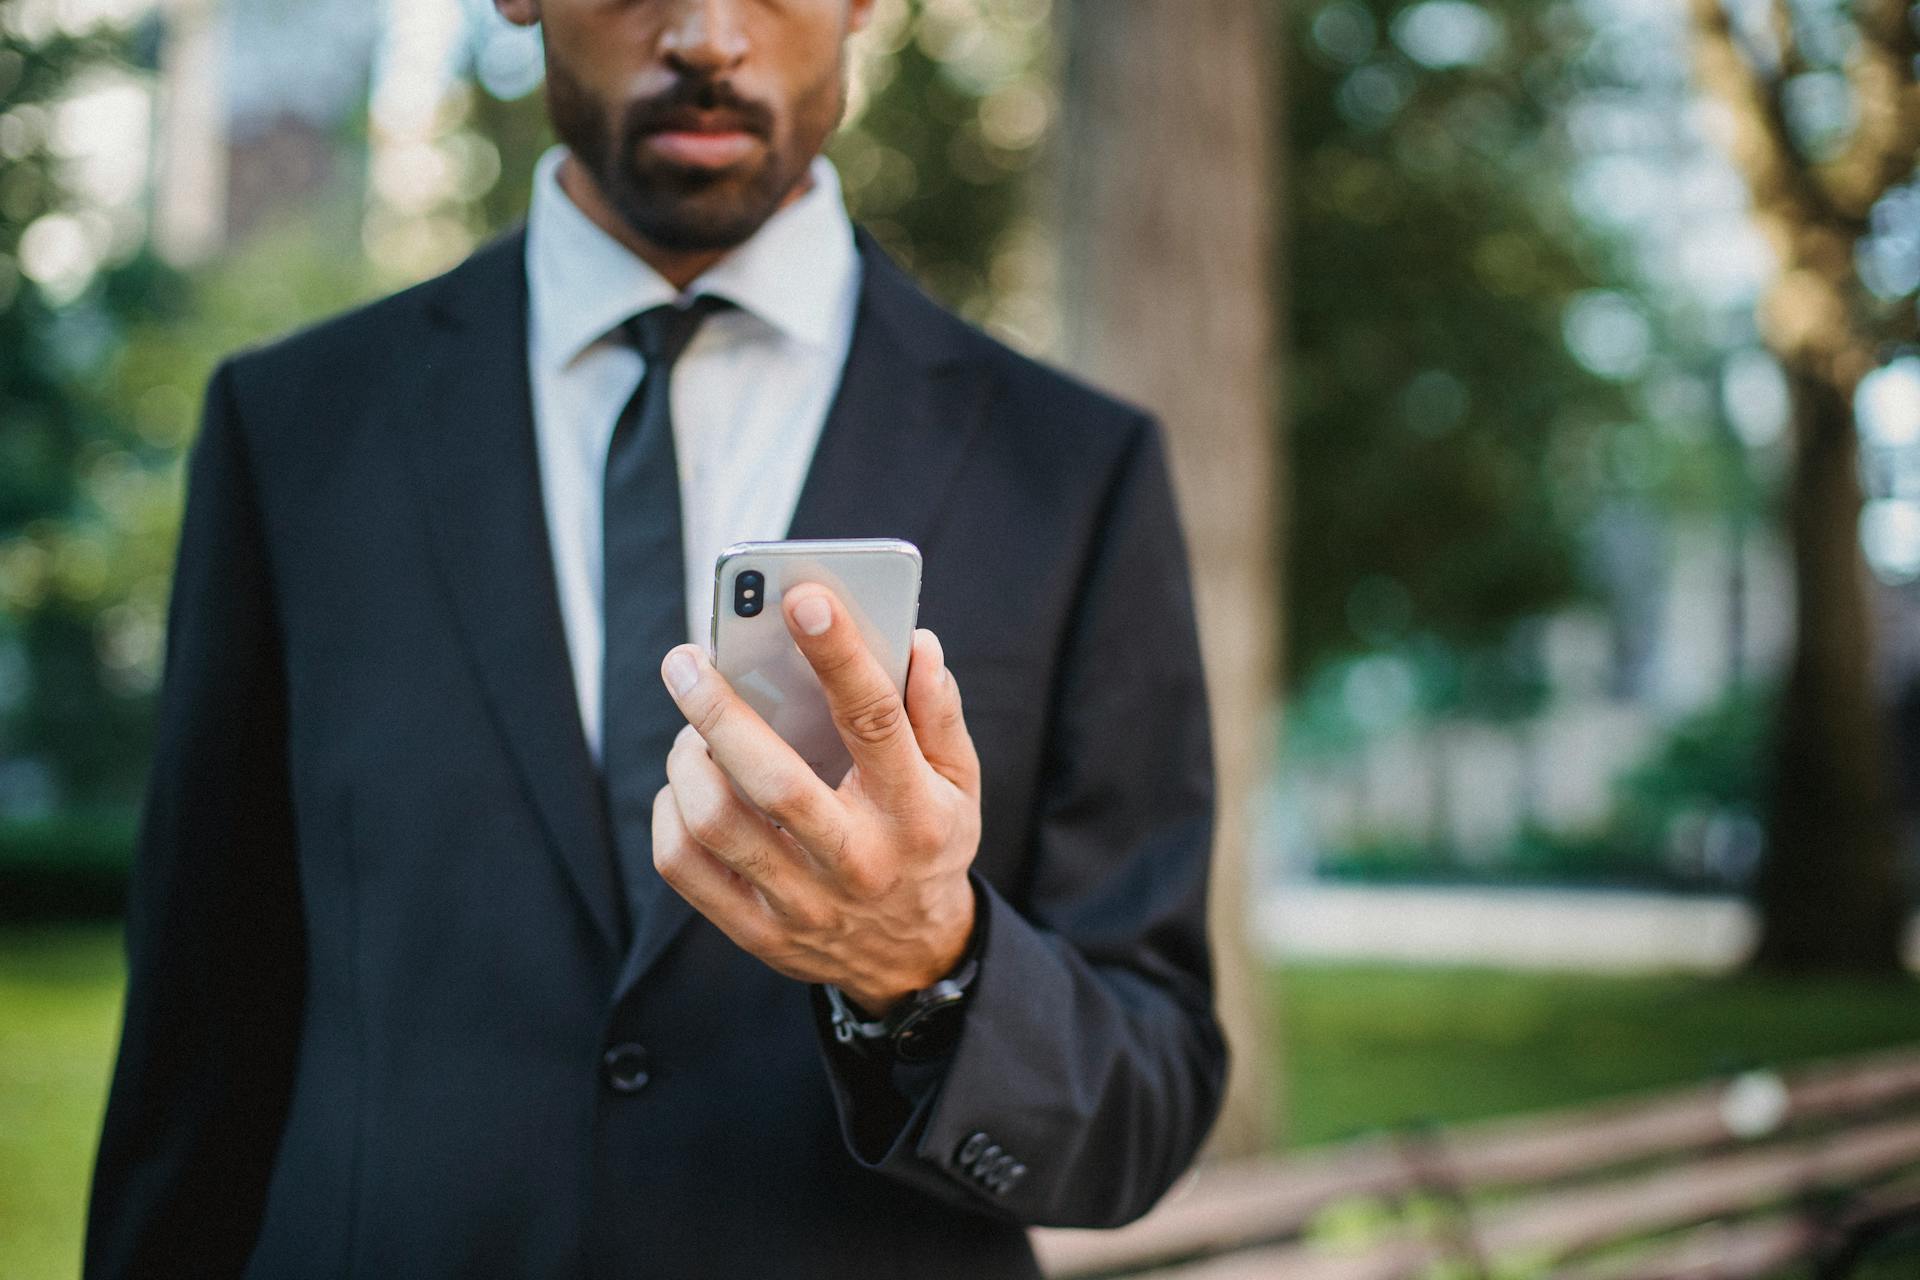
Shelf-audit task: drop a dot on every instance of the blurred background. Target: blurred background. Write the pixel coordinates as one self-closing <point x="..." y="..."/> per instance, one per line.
<point x="1543" y="380"/>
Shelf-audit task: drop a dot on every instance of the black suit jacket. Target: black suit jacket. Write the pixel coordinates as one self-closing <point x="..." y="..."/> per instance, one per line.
<point x="372" y="939"/>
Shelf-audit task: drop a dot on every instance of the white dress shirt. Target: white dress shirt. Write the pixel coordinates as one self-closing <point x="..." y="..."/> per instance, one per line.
<point x="750" y="394"/>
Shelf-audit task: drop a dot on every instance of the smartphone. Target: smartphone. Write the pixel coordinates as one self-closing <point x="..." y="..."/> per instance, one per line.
<point x="878" y="582"/>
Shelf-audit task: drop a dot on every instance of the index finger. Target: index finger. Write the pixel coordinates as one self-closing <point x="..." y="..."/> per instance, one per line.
<point x="866" y="707"/>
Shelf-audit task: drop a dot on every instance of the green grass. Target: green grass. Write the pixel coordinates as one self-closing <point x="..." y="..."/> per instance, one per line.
<point x="1364" y="1048"/>
<point x="1368" y="1047"/>
<point x="59" y="1016"/>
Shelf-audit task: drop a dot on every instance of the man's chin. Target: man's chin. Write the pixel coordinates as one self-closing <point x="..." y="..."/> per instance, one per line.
<point x="700" y="212"/>
<point x="682" y="229"/>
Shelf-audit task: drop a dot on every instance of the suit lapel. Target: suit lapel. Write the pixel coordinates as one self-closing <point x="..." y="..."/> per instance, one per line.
<point x="472" y="444"/>
<point x="907" y="406"/>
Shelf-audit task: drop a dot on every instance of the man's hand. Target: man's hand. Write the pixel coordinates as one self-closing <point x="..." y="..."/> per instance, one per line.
<point x="863" y="886"/>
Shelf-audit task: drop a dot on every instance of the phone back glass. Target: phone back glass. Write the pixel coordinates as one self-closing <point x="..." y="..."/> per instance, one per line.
<point x="877" y="579"/>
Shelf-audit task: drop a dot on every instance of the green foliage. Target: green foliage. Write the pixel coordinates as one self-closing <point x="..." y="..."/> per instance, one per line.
<point x="81" y="844"/>
<point x="1597" y="859"/>
<point x="87" y="882"/>
<point x="92" y="618"/>
<point x="103" y="374"/>
<point x="1442" y="433"/>
<point x="1347" y="699"/>
<point x="935" y="164"/>
<point x="1353" y="1224"/>
<point x="1534" y="857"/>
<point x="40" y="446"/>
<point x="1714" y="763"/>
<point x="74" y="477"/>
<point x="519" y="132"/>
<point x="1686" y="818"/>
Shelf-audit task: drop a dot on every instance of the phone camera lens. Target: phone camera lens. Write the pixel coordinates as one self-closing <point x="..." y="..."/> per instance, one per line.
<point x="749" y="592"/>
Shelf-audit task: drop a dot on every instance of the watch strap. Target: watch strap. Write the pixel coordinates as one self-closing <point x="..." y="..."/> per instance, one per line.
<point x="852" y="1030"/>
<point x="847" y="1025"/>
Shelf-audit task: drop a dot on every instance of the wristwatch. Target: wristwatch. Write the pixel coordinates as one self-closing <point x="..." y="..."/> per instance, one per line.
<point x="925" y="1024"/>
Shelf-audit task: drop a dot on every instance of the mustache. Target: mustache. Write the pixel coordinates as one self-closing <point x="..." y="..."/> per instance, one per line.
<point x="695" y="103"/>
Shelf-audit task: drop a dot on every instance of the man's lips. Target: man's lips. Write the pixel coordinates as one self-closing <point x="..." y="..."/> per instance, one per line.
<point x="702" y="148"/>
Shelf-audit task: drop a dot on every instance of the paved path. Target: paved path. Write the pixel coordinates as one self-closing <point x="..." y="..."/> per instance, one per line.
<point x="1592" y="930"/>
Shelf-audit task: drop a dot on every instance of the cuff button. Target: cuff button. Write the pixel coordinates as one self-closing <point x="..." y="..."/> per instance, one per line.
<point x="970" y="1149"/>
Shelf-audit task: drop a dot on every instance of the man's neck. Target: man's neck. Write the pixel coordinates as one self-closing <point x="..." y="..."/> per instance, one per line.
<point x="678" y="267"/>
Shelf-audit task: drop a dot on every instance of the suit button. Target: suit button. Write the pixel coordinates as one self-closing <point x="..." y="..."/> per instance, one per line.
<point x="624" y="1068"/>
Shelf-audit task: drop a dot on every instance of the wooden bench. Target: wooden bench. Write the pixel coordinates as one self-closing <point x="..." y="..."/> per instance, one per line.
<point x="1729" y="1181"/>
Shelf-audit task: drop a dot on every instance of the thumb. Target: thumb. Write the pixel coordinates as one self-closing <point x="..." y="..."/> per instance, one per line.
<point x="933" y="708"/>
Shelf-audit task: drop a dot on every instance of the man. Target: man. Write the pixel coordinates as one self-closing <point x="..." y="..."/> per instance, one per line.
<point x="478" y="929"/>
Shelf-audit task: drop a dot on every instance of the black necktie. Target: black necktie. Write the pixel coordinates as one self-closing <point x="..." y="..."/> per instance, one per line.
<point x="643" y="595"/>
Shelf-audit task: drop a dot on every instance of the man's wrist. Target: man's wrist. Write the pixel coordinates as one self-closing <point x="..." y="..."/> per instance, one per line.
<point x="879" y="1002"/>
<point x="876" y="1008"/>
<point x="923" y="1027"/>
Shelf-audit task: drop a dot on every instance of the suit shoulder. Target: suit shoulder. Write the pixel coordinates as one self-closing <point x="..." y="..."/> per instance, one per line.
<point x="1047" y="405"/>
<point x="350" y="348"/>
<point x="358" y="339"/>
<point x="1057" y="393"/>
<point x="1031" y="397"/>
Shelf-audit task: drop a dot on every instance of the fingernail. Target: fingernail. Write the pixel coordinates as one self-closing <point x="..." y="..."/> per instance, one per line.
<point x="814" y="615"/>
<point x="682" y="672"/>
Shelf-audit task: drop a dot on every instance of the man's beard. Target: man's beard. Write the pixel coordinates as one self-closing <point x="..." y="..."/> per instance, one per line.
<point x="678" y="208"/>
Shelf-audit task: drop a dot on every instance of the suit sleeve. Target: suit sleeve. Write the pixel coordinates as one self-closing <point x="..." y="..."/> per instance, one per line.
<point x="214" y="941"/>
<point x="1090" y="1066"/>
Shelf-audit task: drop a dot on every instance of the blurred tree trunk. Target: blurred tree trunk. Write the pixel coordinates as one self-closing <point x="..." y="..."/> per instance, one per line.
<point x="1166" y="222"/>
<point x="1830" y="890"/>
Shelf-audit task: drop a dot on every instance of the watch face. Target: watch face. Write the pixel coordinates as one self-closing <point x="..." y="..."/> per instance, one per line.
<point x="931" y="1030"/>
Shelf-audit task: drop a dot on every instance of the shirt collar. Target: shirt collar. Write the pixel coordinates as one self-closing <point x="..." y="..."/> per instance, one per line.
<point x="793" y="273"/>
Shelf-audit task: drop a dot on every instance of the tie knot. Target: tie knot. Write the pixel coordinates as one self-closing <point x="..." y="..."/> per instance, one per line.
<point x="661" y="333"/>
